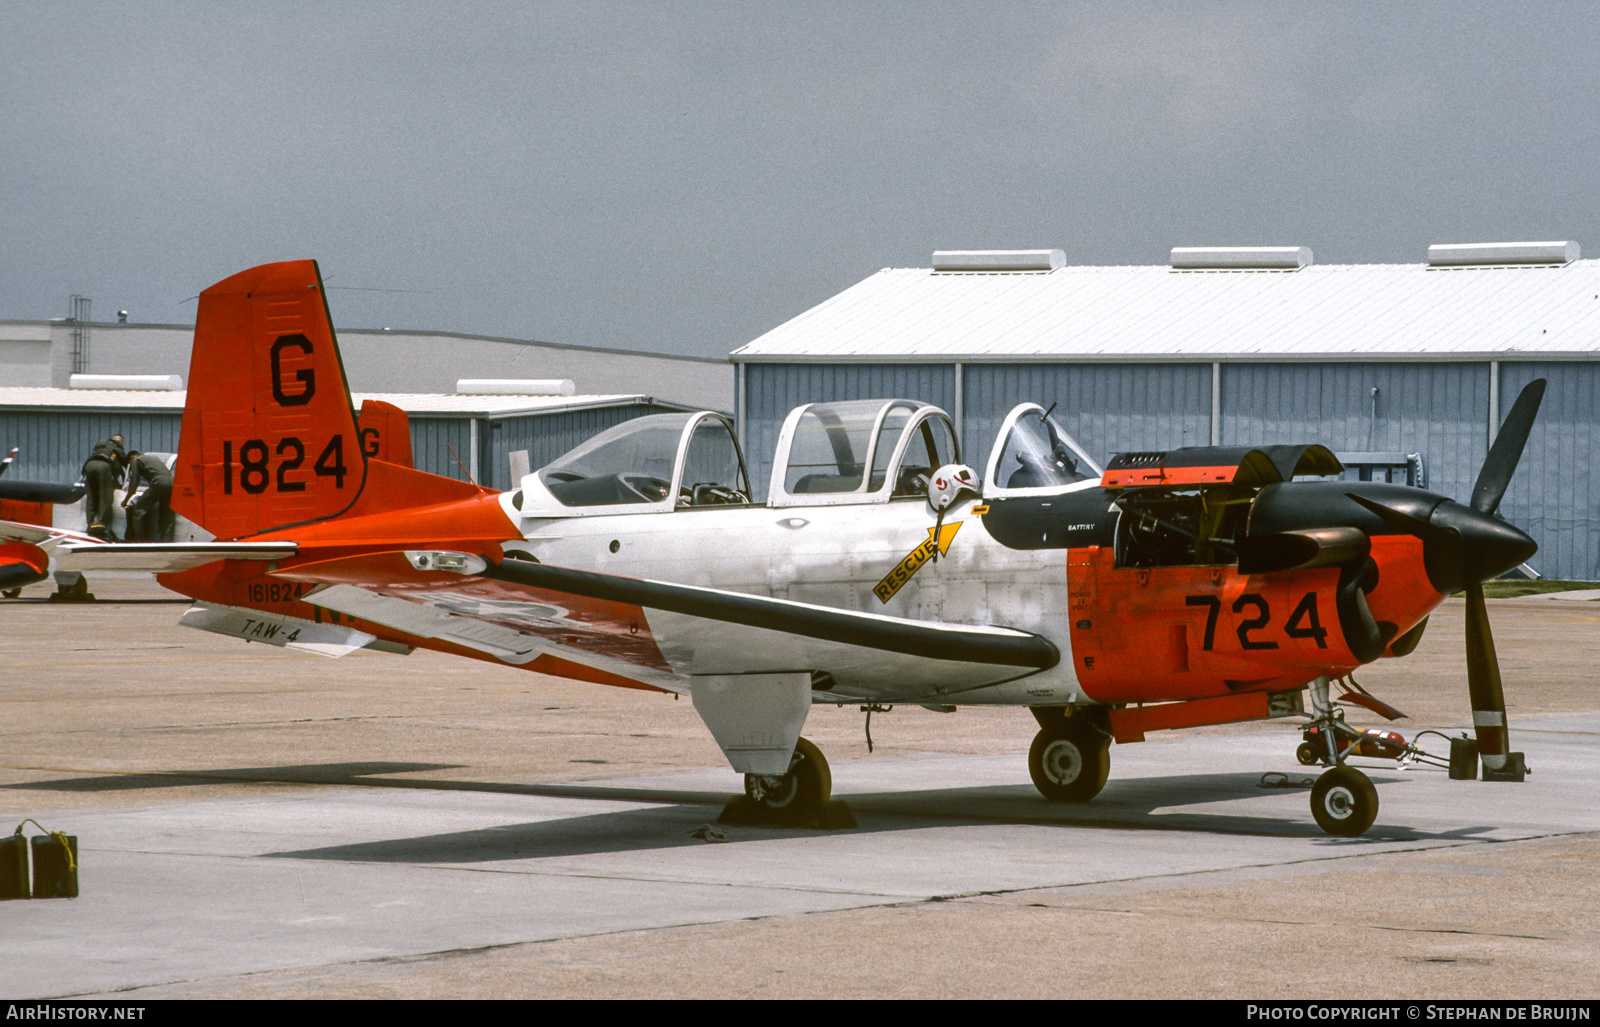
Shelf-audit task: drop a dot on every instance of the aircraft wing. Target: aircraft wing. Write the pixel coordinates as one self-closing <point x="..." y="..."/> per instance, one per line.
<point x="518" y="610"/>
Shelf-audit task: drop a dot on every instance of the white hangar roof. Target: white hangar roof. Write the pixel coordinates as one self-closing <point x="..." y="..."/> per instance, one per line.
<point x="1330" y="312"/>
<point x="150" y="401"/>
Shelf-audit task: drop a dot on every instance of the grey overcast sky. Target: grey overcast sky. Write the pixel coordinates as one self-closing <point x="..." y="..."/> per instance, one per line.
<point x="682" y="176"/>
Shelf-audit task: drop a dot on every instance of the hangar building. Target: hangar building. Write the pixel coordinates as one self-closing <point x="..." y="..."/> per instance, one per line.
<point x="1232" y="347"/>
<point x="54" y="424"/>
<point x="55" y="428"/>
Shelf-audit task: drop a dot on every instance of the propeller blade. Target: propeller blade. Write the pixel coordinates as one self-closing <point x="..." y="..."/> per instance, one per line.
<point x="1483" y="684"/>
<point x="1501" y="463"/>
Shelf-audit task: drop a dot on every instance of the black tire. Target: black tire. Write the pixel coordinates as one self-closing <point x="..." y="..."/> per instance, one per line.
<point x="1307" y="754"/>
<point x="12" y="593"/>
<point x="1069" y="764"/>
<point x="804" y="789"/>
<point x="1344" y="802"/>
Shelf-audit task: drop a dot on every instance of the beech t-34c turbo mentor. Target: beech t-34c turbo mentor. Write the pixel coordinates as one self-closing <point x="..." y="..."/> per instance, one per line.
<point x="1198" y="586"/>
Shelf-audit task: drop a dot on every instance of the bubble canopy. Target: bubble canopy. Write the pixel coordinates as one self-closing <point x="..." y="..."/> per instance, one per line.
<point x="659" y="462"/>
<point x="860" y="451"/>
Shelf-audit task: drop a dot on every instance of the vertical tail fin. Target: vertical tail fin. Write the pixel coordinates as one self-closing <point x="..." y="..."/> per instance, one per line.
<point x="269" y="436"/>
<point x="385" y="432"/>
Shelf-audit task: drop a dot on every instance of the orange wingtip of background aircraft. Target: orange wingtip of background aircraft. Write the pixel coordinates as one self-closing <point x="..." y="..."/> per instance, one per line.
<point x="1198" y="586"/>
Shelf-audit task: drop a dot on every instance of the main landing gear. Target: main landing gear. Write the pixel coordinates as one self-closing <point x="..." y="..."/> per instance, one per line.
<point x="802" y="797"/>
<point x="807" y="785"/>
<point x="1070" y="757"/>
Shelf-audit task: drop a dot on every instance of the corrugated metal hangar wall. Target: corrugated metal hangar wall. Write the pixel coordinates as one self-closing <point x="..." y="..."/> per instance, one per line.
<point x="1410" y="378"/>
<point x="54" y="441"/>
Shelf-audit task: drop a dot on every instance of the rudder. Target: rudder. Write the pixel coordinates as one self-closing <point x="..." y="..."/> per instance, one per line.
<point x="269" y="436"/>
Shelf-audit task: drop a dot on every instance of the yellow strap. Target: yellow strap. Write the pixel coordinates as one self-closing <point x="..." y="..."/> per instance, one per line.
<point x="60" y="836"/>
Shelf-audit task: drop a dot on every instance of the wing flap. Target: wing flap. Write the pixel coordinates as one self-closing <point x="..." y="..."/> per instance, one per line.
<point x="426" y="621"/>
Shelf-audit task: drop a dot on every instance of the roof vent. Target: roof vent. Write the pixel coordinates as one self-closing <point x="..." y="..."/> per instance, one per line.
<point x="998" y="260"/>
<point x="1240" y="258"/>
<point x="127" y="382"/>
<point x="1479" y="253"/>
<point x="515" y="387"/>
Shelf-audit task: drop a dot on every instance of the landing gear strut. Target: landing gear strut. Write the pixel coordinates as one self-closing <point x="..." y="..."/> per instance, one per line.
<point x="1070" y="757"/>
<point x="1344" y="800"/>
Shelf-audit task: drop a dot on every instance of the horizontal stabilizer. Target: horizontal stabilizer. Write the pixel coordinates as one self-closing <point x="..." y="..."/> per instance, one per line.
<point x="165" y="557"/>
<point x="274" y="629"/>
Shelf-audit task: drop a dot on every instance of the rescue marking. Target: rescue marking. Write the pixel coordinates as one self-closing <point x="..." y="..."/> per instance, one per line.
<point x="939" y="540"/>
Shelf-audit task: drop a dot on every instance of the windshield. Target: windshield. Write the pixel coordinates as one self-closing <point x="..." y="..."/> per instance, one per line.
<point x="631" y="463"/>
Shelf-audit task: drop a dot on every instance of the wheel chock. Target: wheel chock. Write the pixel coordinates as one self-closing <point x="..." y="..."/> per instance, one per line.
<point x="77" y="592"/>
<point x="55" y="865"/>
<point x="1463" y="759"/>
<point x="833" y="815"/>
<point x="1516" y="769"/>
<point x="14" y="868"/>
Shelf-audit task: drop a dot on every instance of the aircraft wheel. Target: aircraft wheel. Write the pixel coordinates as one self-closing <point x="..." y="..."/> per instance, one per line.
<point x="1070" y="764"/>
<point x="11" y="593"/>
<point x="1344" y="802"/>
<point x="1307" y="754"/>
<point x="804" y="789"/>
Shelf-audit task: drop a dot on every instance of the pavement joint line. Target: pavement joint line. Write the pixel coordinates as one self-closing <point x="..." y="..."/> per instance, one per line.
<point x="1308" y="861"/>
<point x="464" y="951"/>
<point x="1321" y="924"/>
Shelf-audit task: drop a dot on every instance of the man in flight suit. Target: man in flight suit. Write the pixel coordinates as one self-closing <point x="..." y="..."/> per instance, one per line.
<point x="148" y="518"/>
<point x="101" y="473"/>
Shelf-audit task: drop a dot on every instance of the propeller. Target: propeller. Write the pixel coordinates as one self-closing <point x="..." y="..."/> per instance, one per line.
<point x="1464" y="546"/>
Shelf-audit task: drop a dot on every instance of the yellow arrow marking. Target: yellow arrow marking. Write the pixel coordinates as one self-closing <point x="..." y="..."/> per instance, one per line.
<point x="939" y="540"/>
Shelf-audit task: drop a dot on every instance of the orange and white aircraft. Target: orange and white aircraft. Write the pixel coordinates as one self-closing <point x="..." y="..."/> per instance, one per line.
<point x="1197" y="586"/>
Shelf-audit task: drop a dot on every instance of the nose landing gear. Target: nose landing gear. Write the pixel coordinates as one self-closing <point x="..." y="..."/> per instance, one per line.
<point x="1344" y="802"/>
